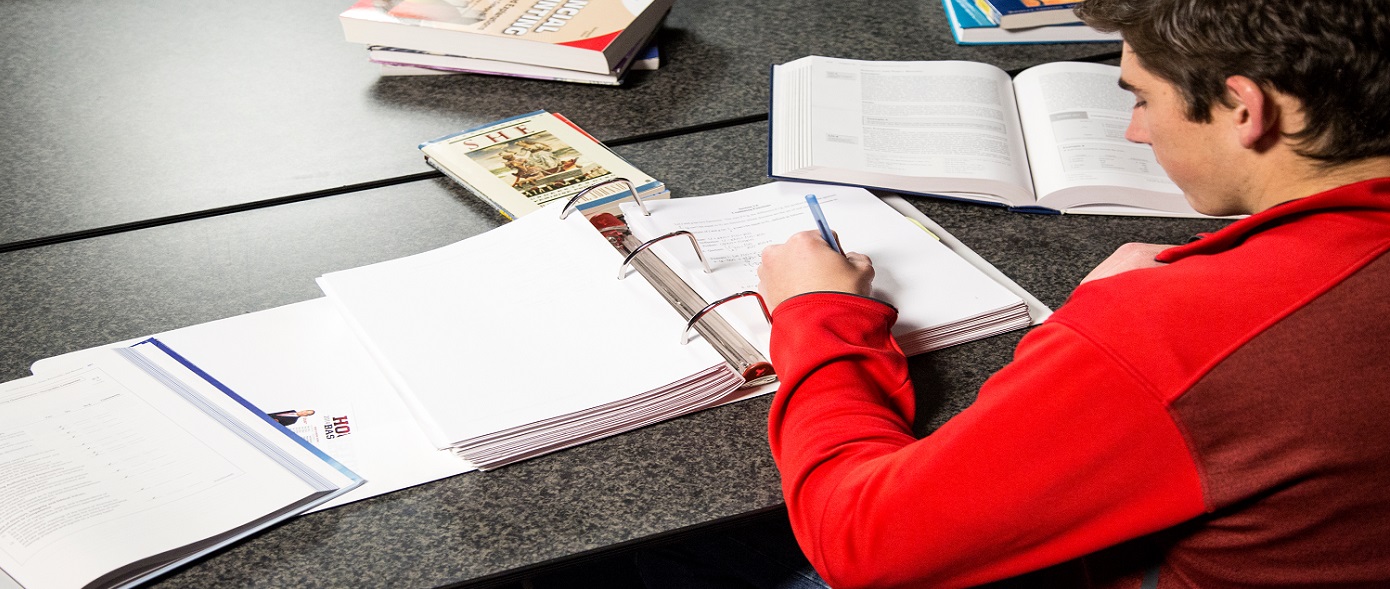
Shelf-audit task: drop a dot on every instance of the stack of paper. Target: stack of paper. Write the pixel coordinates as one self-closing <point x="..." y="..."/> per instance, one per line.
<point x="521" y="341"/>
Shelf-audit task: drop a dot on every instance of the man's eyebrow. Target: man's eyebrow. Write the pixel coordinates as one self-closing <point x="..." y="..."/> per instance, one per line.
<point x="1125" y="85"/>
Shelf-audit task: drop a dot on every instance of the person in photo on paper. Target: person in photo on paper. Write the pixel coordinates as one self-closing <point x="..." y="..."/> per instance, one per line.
<point x="291" y="417"/>
<point x="1200" y="415"/>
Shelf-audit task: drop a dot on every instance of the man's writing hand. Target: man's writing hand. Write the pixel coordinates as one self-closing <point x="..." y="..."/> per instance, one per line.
<point x="805" y="263"/>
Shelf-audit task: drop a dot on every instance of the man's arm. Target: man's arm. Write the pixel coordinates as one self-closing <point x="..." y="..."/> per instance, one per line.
<point x="1062" y="454"/>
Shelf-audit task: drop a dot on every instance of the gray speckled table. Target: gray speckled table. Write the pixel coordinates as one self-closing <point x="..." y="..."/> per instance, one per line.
<point x="127" y="112"/>
<point x="122" y="111"/>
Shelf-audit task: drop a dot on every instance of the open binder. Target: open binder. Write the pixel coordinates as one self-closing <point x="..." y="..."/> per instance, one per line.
<point x="699" y="314"/>
<point x="537" y="336"/>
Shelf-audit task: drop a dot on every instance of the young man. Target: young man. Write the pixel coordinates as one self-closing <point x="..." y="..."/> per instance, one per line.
<point x="1205" y="415"/>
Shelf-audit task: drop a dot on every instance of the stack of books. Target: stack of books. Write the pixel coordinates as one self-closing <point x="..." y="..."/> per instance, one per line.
<point x="585" y="41"/>
<point x="993" y="22"/>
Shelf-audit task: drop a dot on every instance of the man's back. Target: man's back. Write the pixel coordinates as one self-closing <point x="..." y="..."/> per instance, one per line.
<point x="1267" y="344"/>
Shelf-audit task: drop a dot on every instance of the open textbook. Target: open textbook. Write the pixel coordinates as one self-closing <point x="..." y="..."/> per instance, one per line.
<point x="127" y="462"/>
<point x="1049" y="140"/>
<point x="525" y="340"/>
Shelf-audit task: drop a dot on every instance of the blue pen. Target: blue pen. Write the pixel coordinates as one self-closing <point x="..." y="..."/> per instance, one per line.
<point x="822" y="224"/>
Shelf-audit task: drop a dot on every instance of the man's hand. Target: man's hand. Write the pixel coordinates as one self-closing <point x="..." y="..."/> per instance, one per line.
<point x="1130" y="256"/>
<point x="805" y="263"/>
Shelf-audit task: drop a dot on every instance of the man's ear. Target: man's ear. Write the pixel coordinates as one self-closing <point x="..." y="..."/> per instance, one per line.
<point x="1255" y="115"/>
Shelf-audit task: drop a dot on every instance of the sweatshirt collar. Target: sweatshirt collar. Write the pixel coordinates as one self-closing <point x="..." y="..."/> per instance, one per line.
<point x="1367" y="194"/>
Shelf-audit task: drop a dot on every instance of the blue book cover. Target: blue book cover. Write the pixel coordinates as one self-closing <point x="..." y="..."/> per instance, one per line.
<point x="1028" y="13"/>
<point x="967" y="15"/>
<point x="970" y="26"/>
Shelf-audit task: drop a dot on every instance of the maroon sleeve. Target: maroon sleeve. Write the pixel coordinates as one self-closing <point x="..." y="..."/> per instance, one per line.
<point x="1062" y="454"/>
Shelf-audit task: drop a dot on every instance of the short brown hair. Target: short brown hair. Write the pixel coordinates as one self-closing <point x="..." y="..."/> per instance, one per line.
<point x="1333" y="55"/>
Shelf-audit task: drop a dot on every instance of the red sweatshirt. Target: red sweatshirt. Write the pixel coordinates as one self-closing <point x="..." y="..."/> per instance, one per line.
<point x="1237" y="400"/>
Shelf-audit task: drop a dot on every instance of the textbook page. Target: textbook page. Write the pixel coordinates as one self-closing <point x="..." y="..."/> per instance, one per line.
<point x="929" y="284"/>
<point x="1074" y="118"/>
<point x="903" y="125"/>
<point x="114" y="463"/>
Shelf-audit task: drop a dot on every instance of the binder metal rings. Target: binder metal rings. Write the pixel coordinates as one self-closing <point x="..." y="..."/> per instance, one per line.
<point x="693" y="243"/>
<point x="574" y="200"/>
<point x="685" y="335"/>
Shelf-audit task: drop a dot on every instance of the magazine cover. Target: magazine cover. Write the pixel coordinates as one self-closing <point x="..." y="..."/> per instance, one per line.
<point x="523" y="163"/>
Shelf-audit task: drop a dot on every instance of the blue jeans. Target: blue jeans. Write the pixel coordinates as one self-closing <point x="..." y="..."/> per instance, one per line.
<point x="762" y="555"/>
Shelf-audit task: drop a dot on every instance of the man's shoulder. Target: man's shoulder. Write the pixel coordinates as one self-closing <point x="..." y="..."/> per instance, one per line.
<point x="1260" y="264"/>
<point x="1171" y="322"/>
